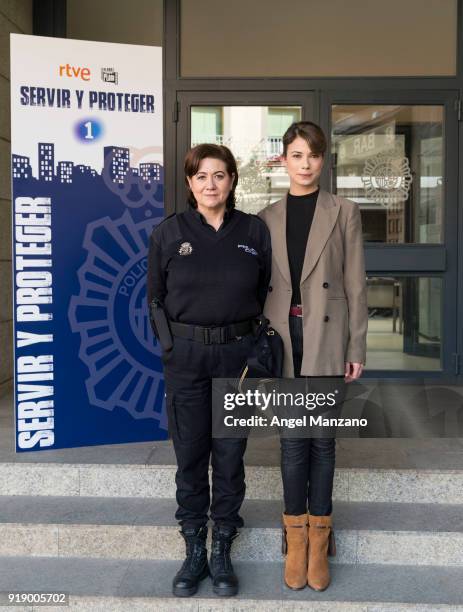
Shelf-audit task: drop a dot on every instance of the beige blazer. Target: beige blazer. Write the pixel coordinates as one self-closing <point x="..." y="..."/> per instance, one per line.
<point x="333" y="287"/>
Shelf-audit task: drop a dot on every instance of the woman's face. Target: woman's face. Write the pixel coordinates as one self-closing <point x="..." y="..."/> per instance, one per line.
<point x="304" y="167"/>
<point x="211" y="184"/>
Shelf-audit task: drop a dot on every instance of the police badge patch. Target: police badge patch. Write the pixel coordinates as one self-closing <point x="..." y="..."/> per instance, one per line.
<point x="247" y="249"/>
<point x="185" y="249"/>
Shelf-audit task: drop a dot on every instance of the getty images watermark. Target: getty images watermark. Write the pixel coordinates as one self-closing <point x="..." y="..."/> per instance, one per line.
<point x="276" y="401"/>
<point x="328" y="407"/>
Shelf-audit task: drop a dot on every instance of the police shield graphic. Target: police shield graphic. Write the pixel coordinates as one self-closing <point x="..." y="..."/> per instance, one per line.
<point x="87" y="181"/>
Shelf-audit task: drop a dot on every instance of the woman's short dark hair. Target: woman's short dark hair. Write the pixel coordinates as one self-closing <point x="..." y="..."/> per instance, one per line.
<point x="193" y="159"/>
<point x="310" y="132"/>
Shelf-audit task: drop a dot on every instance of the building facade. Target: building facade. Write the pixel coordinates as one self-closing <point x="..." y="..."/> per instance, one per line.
<point x="384" y="80"/>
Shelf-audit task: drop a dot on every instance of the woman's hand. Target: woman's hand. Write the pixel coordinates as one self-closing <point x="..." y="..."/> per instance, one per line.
<point x="352" y="371"/>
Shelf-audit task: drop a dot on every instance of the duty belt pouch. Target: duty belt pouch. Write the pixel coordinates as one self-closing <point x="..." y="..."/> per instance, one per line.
<point x="161" y="325"/>
<point x="266" y="356"/>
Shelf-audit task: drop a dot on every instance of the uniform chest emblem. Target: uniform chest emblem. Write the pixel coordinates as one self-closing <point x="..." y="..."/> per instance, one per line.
<point x="185" y="249"/>
<point x="247" y="249"/>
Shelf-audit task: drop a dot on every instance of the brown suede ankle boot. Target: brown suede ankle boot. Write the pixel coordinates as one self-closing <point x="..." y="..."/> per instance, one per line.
<point x="321" y="544"/>
<point x="295" y="549"/>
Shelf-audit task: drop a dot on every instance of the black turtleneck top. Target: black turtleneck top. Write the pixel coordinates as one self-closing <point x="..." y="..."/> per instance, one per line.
<point x="299" y="215"/>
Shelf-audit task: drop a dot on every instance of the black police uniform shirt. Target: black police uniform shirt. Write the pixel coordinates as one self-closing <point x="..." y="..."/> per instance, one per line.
<point x="299" y="216"/>
<point x="207" y="277"/>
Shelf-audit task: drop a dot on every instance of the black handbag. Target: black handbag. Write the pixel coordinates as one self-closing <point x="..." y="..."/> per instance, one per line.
<point x="266" y="356"/>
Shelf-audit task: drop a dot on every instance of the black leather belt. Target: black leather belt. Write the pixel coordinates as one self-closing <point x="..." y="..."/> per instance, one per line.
<point x="211" y="335"/>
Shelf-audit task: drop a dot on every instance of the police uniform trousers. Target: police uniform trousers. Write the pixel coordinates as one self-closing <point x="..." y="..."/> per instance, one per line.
<point x="188" y="370"/>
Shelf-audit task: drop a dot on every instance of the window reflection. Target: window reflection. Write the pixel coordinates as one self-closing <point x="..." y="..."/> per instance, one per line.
<point x="404" y="325"/>
<point x="254" y="135"/>
<point x="389" y="159"/>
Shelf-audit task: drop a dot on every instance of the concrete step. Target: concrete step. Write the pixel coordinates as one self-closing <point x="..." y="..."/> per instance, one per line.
<point x="116" y="585"/>
<point x="263" y="482"/>
<point x="121" y="528"/>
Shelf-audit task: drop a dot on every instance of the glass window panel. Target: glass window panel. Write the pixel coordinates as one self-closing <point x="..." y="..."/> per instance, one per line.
<point x="279" y="119"/>
<point x="404" y="325"/>
<point x="206" y="124"/>
<point x="389" y="159"/>
<point x="254" y="135"/>
<point x="304" y="38"/>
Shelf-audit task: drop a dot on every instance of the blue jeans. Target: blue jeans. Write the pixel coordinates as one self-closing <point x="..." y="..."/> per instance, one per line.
<point x="307" y="464"/>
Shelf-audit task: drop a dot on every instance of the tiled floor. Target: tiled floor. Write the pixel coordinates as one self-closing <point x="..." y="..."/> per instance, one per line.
<point x="386" y="349"/>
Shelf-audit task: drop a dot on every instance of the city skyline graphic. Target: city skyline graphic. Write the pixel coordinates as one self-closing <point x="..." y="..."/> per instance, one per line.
<point x="101" y="223"/>
<point x="116" y="167"/>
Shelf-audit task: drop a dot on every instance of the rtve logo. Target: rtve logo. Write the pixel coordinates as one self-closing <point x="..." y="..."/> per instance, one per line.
<point x="75" y="72"/>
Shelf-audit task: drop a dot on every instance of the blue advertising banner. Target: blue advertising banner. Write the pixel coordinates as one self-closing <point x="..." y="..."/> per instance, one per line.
<point x="87" y="190"/>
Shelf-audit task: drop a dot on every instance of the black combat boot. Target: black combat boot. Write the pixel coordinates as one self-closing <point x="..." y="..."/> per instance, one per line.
<point x="224" y="579"/>
<point x="195" y="567"/>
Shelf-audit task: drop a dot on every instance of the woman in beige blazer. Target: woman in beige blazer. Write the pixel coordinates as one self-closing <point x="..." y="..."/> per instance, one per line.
<point x="317" y="302"/>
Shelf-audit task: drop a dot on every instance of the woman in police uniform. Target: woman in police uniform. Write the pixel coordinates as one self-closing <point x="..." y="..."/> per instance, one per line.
<point x="209" y="268"/>
<point x="317" y="302"/>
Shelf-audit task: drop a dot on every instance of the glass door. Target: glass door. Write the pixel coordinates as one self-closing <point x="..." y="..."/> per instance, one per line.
<point x="396" y="156"/>
<point x="393" y="154"/>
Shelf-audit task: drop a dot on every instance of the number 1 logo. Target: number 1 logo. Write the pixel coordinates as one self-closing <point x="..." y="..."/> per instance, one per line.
<point x="88" y="130"/>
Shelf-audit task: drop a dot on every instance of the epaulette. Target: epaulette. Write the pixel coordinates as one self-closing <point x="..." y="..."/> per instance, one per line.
<point x="168" y="229"/>
<point x="166" y="218"/>
<point x="259" y="232"/>
<point x="256" y="226"/>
